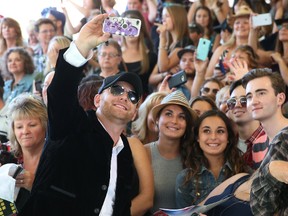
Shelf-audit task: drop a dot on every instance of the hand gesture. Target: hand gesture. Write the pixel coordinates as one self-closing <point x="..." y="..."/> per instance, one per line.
<point x="161" y="29"/>
<point x="25" y="180"/>
<point x="238" y="68"/>
<point x="164" y="86"/>
<point x="276" y="57"/>
<point x="91" y="35"/>
<point x="200" y="66"/>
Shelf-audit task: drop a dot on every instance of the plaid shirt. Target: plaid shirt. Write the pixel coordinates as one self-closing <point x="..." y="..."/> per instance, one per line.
<point x="268" y="195"/>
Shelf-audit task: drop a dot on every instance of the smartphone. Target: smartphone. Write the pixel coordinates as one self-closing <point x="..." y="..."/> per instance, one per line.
<point x="203" y="49"/>
<point x="262" y="20"/>
<point x="122" y="26"/>
<point x="38" y="86"/>
<point x="177" y="79"/>
<point x="222" y="66"/>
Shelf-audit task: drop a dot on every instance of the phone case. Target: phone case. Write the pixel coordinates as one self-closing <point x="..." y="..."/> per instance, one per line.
<point x="122" y="26"/>
<point x="203" y="49"/>
<point x="177" y="79"/>
<point x="262" y="20"/>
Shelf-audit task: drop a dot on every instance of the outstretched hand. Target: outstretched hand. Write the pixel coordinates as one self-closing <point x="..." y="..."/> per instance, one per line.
<point x="91" y="35"/>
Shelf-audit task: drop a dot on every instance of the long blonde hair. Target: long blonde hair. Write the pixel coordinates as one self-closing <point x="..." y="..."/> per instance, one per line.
<point x="178" y="15"/>
<point x="139" y="126"/>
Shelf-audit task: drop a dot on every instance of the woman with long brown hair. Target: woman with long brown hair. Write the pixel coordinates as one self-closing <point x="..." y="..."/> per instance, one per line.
<point x="213" y="157"/>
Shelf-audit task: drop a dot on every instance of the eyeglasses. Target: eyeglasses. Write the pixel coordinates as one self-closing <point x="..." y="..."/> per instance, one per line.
<point x="231" y="103"/>
<point x="206" y="90"/>
<point x="117" y="90"/>
<point x="47" y="31"/>
<point x="111" y="55"/>
<point x="283" y="25"/>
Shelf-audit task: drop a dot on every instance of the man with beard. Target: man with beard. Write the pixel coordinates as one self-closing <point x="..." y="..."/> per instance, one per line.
<point x="253" y="140"/>
<point x="186" y="63"/>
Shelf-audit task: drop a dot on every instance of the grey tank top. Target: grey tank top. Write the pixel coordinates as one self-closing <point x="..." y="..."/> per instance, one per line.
<point x="165" y="173"/>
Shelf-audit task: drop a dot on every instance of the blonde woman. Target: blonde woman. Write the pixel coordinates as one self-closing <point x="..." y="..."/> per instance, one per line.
<point x="144" y="127"/>
<point x="27" y="131"/>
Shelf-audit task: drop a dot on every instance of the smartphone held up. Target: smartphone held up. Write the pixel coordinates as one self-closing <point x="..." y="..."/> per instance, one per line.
<point x="177" y="79"/>
<point x="203" y="49"/>
<point x="122" y="26"/>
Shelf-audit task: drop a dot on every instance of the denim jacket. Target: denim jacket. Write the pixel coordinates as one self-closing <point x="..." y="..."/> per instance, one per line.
<point x="197" y="189"/>
<point x="25" y="85"/>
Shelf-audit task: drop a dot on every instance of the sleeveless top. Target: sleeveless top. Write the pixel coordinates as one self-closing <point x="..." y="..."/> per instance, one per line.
<point x="232" y="206"/>
<point x="165" y="172"/>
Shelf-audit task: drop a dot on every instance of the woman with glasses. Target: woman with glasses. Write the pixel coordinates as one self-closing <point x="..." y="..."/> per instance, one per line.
<point x="109" y="57"/>
<point x="210" y="87"/>
<point x="212" y="158"/>
<point x="174" y="119"/>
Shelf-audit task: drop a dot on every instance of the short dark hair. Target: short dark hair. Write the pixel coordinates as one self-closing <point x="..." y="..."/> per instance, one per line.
<point x="42" y="21"/>
<point x="234" y="85"/>
<point x="203" y="98"/>
<point x="276" y="79"/>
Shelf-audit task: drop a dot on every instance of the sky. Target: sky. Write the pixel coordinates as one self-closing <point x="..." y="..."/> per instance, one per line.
<point x="25" y="10"/>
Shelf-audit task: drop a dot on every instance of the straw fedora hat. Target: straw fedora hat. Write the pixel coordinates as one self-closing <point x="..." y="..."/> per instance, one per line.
<point x="174" y="98"/>
<point x="244" y="10"/>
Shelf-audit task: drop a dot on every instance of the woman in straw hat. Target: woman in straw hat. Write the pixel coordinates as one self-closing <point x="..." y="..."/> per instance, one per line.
<point x="241" y="31"/>
<point x="174" y="119"/>
<point x="213" y="157"/>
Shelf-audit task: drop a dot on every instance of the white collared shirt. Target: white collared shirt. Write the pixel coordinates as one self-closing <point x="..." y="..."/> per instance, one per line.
<point x="107" y="208"/>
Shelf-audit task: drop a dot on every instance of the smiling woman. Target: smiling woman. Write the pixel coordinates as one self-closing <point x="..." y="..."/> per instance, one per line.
<point x="213" y="157"/>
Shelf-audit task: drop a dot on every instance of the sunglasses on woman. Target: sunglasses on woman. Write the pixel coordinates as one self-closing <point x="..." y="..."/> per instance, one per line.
<point x="231" y="103"/>
<point x="117" y="90"/>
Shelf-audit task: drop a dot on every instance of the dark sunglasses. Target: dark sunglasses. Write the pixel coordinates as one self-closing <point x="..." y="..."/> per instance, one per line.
<point x="283" y="25"/>
<point x="117" y="90"/>
<point x="231" y="103"/>
<point x="207" y="90"/>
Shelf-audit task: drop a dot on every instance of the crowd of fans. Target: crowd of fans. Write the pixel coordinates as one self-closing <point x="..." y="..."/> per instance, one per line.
<point x="200" y="138"/>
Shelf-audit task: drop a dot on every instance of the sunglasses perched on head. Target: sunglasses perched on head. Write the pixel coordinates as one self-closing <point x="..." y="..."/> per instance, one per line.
<point x="231" y="103"/>
<point x="117" y="90"/>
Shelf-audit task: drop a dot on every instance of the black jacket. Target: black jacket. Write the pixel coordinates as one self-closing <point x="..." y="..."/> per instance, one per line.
<point x="74" y="170"/>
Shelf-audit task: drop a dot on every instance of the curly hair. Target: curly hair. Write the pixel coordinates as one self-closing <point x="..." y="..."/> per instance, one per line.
<point x="196" y="158"/>
<point x="29" y="66"/>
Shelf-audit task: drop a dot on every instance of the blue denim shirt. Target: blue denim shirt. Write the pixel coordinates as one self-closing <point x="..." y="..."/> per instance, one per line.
<point x="25" y="85"/>
<point x="197" y="189"/>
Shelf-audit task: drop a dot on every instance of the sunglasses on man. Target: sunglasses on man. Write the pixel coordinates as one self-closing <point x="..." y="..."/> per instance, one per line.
<point x="118" y="90"/>
<point x="231" y="103"/>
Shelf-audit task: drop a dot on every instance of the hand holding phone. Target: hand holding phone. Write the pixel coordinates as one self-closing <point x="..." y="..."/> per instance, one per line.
<point x="177" y="79"/>
<point x="122" y="26"/>
<point x="203" y="49"/>
<point x="261" y="20"/>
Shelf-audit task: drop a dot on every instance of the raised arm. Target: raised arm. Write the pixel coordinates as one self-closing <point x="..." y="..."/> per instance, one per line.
<point x="64" y="110"/>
